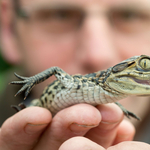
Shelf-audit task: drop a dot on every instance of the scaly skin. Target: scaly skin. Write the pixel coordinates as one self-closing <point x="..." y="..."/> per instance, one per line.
<point x="130" y="77"/>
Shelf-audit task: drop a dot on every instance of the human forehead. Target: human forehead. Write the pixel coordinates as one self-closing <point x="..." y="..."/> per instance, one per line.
<point x="86" y="3"/>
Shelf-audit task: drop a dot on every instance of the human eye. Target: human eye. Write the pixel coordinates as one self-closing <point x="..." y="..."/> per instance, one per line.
<point x="128" y="15"/>
<point x="47" y="15"/>
<point x="59" y="20"/>
<point x="128" y="20"/>
<point x="60" y="14"/>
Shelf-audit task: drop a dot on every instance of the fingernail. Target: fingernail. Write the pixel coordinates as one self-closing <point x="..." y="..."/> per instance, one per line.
<point x="80" y="129"/>
<point x="34" y="128"/>
<point x="105" y="122"/>
<point x="108" y="125"/>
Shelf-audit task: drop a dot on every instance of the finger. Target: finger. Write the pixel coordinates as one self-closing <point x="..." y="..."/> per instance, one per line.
<point x="80" y="143"/>
<point x="21" y="131"/>
<point x="128" y="145"/>
<point x="125" y="132"/>
<point x="105" y="133"/>
<point x="70" y="122"/>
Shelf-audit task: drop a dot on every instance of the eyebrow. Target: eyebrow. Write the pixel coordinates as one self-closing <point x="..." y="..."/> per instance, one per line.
<point x="53" y="5"/>
<point x="132" y="7"/>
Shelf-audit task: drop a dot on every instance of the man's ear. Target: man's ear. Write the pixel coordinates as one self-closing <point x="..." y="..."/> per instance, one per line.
<point x="9" y="48"/>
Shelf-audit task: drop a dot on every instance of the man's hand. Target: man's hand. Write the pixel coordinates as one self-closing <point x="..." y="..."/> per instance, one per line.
<point x="81" y="143"/>
<point x="33" y="128"/>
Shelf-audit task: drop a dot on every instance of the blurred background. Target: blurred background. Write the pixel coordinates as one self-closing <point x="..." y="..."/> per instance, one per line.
<point x="3" y="69"/>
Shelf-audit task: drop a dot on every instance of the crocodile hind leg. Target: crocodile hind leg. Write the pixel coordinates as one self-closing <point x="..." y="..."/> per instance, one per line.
<point x="19" y="107"/>
<point x="126" y="112"/>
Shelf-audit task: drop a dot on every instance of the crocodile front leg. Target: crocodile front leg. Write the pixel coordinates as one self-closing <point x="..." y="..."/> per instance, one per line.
<point x="29" y="82"/>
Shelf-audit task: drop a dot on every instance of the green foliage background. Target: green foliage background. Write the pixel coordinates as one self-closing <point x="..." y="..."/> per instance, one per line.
<point x="3" y="68"/>
<point x="3" y="65"/>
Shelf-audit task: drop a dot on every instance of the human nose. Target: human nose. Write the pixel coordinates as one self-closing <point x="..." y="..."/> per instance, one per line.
<point x="97" y="50"/>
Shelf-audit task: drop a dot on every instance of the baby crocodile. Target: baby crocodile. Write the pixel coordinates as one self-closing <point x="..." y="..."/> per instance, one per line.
<point x="130" y="77"/>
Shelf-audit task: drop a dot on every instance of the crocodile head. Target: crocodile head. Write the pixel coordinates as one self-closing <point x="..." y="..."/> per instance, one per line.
<point x="131" y="77"/>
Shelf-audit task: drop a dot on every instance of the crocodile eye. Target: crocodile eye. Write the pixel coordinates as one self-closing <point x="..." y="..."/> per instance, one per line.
<point x="145" y="63"/>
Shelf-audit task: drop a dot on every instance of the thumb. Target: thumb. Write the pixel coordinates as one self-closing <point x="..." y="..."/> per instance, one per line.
<point x="22" y="130"/>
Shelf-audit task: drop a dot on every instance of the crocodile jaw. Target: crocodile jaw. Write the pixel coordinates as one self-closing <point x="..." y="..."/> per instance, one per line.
<point x="129" y="85"/>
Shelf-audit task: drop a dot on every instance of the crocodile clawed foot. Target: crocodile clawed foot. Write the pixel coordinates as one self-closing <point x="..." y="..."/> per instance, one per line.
<point x="27" y="82"/>
<point x="127" y="113"/>
<point x="19" y="107"/>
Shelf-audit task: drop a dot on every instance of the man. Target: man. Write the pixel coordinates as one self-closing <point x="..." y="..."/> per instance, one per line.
<point x="79" y="37"/>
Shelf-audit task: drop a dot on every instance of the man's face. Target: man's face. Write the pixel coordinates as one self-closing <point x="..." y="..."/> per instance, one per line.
<point x="82" y="36"/>
<point x="110" y="32"/>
